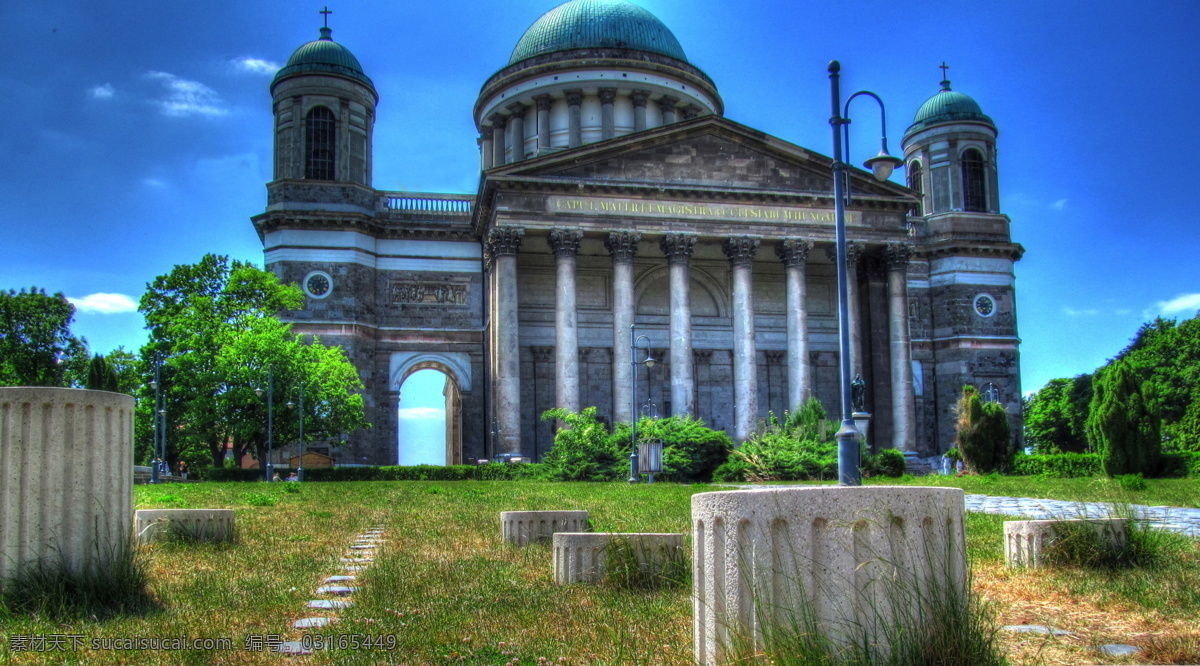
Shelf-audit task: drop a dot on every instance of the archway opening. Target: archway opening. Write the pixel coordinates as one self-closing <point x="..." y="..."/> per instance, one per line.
<point x="428" y="404"/>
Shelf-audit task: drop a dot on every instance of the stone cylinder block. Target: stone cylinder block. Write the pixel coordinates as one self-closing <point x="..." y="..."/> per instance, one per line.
<point x="1025" y="541"/>
<point x="198" y="524"/>
<point x="524" y="527"/>
<point x="581" y="557"/>
<point x="66" y="478"/>
<point x="857" y="563"/>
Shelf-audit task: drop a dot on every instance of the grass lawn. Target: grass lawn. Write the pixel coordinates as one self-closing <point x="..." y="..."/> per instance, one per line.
<point x="449" y="591"/>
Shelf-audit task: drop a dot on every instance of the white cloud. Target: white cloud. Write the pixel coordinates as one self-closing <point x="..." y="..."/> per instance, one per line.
<point x="256" y="65"/>
<point x="1080" y="313"/>
<point x="187" y="98"/>
<point x="1061" y="204"/>
<point x="1181" y="304"/>
<point x="105" y="91"/>
<point x="105" y="303"/>
<point x="421" y="413"/>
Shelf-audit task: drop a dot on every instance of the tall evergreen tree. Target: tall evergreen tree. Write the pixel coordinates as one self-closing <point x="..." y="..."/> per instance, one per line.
<point x="100" y="375"/>
<point x="1121" y="427"/>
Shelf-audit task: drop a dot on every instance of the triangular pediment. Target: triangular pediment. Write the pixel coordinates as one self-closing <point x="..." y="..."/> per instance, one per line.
<point x="708" y="152"/>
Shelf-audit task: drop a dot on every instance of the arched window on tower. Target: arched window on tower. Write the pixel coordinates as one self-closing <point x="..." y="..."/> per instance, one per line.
<point x="973" y="178"/>
<point x="320" y="141"/>
<point x="914" y="183"/>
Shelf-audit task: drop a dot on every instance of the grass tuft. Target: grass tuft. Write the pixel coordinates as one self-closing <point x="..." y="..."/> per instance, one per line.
<point x="54" y="591"/>
<point x="628" y="569"/>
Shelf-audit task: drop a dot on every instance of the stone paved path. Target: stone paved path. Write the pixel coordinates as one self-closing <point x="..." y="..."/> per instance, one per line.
<point x="1175" y="519"/>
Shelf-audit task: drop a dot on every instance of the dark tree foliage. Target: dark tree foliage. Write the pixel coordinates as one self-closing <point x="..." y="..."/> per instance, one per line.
<point x="984" y="435"/>
<point x="1123" y="430"/>
<point x="36" y="345"/>
<point x="1056" y="414"/>
<point x="1165" y="357"/>
<point x="100" y="375"/>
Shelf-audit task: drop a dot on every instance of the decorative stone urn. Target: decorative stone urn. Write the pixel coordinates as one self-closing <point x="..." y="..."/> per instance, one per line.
<point x="66" y="478"/>
<point x="582" y="557"/>
<point x="521" y="528"/>
<point x="857" y="563"/>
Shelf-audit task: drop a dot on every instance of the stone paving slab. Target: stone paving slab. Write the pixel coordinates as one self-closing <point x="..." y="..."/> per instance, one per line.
<point x="336" y="589"/>
<point x="329" y="604"/>
<point x="338" y="579"/>
<point x="1171" y="518"/>
<point x="313" y="622"/>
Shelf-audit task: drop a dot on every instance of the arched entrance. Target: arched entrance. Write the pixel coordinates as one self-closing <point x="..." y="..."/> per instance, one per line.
<point x="429" y="418"/>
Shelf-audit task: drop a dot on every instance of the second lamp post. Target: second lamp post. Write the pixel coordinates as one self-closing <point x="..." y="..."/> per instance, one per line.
<point x="649" y="363"/>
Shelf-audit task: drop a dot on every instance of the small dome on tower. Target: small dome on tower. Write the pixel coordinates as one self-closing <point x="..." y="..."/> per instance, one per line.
<point x="581" y="24"/>
<point x="323" y="56"/>
<point x="948" y="106"/>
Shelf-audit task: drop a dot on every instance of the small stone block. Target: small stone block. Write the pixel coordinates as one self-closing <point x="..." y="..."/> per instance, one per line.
<point x="292" y="647"/>
<point x="580" y="557"/>
<point x="1117" y="650"/>
<point x="328" y="604"/>
<point x="336" y="589"/>
<point x="313" y="622"/>
<point x="199" y="524"/>
<point x="339" y="579"/>
<point x="521" y="528"/>
<point x="353" y="567"/>
<point x="1025" y="541"/>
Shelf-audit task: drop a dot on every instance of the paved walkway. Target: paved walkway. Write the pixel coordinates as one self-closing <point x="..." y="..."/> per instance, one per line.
<point x="1175" y="519"/>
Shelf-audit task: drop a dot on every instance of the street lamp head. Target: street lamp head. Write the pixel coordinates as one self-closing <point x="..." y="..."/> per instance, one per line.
<point x="290" y="404"/>
<point x="258" y="392"/>
<point x="882" y="165"/>
<point x="649" y="360"/>
<point x="153" y="384"/>
<point x="162" y="411"/>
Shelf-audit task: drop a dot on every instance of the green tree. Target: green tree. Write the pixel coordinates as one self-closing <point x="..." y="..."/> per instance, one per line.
<point x="984" y="435"/>
<point x="1165" y="356"/>
<point x="128" y="369"/>
<point x="215" y="339"/>
<point x="1124" y="432"/>
<point x="1054" y="416"/>
<point x="36" y="344"/>
<point x="100" y="375"/>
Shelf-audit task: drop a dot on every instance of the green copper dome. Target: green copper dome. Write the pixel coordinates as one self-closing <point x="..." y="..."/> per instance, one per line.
<point x="324" y="56"/>
<point x="581" y="24"/>
<point x="948" y="106"/>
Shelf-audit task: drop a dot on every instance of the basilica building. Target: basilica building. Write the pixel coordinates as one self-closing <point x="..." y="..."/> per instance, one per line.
<point x="613" y="191"/>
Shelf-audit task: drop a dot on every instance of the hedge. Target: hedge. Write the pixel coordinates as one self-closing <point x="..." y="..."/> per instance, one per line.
<point x="1071" y="465"/>
<point x="488" y="472"/>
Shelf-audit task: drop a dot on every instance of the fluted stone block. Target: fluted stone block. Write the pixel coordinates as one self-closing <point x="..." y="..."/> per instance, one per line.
<point x="66" y="478"/>
<point x="1026" y="541"/>
<point x="848" y="560"/>
<point x="199" y="524"/>
<point x="581" y="557"/>
<point x="521" y="528"/>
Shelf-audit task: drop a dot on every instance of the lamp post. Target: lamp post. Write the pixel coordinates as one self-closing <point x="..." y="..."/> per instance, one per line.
<point x="155" y="384"/>
<point x="270" y="418"/>
<point x="300" y="416"/>
<point x="881" y="166"/>
<point x="649" y="362"/>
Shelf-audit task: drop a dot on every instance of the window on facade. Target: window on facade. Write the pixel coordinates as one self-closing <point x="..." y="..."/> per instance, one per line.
<point x="974" y="192"/>
<point x="914" y="183"/>
<point x="320" y="139"/>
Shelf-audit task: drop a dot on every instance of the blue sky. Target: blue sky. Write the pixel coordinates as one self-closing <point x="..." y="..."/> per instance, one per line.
<point x="139" y="133"/>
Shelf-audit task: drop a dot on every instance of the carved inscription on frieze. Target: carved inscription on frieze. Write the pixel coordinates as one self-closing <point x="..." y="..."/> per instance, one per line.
<point x="434" y="292"/>
<point x="696" y="210"/>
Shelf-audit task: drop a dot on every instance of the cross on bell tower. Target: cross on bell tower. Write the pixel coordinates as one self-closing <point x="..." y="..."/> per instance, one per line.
<point x="325" y="13"/>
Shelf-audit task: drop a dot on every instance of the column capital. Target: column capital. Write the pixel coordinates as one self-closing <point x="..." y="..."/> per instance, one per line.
<point x="488" y="257"/>
<point x="854" y="252"/>
<point x="667" y="102"/>
<point x="896" y="255"/>
<point x="543" y="101"/>
<point x="564" y="242"/>
<point x="574" y="97"/>
<point x="499" y="120"/>
<point x="793" y="251"/>
<point x="740" y="249"/>
<point x="518" y="108"/>
<point x="677" y="247"/>
<point x="690" y="111"/>
<point x="639" y="97"/>
<point x="622" y="245"/>
<point x="608" y="95"/>
<point x="505" y="240"/>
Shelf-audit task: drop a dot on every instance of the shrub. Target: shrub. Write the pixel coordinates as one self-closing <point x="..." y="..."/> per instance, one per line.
<point x="691" y="450"/>
<point x="890" y="462"/>
<point x="1132" y="482"/>
<point x="1125" y="433"/>
<point x="584" y="450"/>
<point x="984" y="436"/>
<point x="799" y="447"/>
<point x="1057" y="465"/>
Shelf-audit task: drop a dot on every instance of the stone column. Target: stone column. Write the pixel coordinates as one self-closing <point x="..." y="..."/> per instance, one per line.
<point x="794" y="253"/>
<point x="678" y="249"/>
<point x="904" y="427"/>
<point x="740" y="250"/>
<point x="854" y="251"/>
<point x="505" y="243"/>
<point x="498" y="121"/>
<point x="622" y="245"/>
<point x="543" y="121"/>
<point x="666" y="104"/>
<point x="485" y="148"/>
<point x="639" y="97"/>
<point x="574" y="121"/>
<point x="565" y="244"/>
<point x="607" y="124"/>
<point x="516" y="130"/>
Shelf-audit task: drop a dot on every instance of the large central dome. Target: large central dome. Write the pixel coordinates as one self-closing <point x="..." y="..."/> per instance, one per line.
<point x="581" y="24"/>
